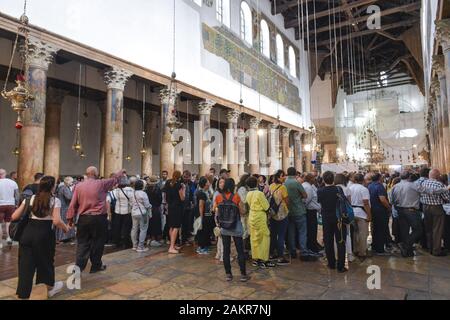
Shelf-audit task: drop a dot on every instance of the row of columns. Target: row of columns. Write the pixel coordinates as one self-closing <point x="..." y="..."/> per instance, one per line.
<point x="40" y="136"/>
<point x="439" y="104"/>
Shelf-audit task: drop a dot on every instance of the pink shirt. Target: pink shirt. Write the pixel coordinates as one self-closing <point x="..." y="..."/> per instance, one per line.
<point x="89" y="197"/>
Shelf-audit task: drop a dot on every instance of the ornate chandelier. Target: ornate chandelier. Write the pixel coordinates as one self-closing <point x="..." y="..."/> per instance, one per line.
<point x="21" y="94"/>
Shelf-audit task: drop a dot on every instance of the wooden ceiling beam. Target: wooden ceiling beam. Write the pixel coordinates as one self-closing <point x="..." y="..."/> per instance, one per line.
<point x="295" y="22"/>
<point x="370" y="31"/>
<point x="405" y="8"/>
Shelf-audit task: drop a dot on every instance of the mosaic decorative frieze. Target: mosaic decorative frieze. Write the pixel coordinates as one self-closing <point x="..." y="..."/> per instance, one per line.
<point x="250" y="68"/>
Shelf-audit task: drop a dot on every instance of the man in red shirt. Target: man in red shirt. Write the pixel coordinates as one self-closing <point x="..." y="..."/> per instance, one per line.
<point x="89" y="205"/>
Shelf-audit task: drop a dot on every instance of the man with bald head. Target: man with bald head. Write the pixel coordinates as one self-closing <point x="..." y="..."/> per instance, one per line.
<point x="434" y="212"/>
<point x="89" y="206"/>
<point x="9" y="198"/>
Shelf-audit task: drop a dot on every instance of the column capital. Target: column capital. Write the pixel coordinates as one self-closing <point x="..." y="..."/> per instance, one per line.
<point x="116" y="78"/>
<point x="443" y="33"/>
<point x="273" y="126"/>
<point x="56" y="96"/>
<point x="205" y="107"/>
<point x="254" y="123"/>
<point x="233" y="116"/>
<point x="297" y="136"/>
<point x="439" y="65"/>
<point x="286" y="132"/>
<point x="40" y="54"/>
<point x="169" y="95"/>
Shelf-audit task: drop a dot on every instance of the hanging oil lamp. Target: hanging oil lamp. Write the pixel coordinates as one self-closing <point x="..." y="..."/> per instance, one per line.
<point x="21" y="94"/>
<point x="77" y="143"/>
<point x="16" y="152"/>
<point x="143" y="150"/>
<point x="128" y="158"/>
<point x="19" y="97"/>
<point x="82" y="155"/>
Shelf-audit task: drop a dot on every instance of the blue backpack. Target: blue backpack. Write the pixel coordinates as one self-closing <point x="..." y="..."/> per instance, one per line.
<point x="344" y="209"/>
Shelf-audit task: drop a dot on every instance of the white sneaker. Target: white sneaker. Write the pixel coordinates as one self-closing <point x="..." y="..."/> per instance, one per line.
<point x="56" y="289"/>
<point x="351" y="258"/>
<point x="134" y="249"/>
<point x="155" y="243"/>
<point x="142" y="250"/>
<point x="9" y="241"/>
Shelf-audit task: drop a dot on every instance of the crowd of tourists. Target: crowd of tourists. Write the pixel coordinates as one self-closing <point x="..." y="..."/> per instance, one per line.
<point x="271" y="220"/>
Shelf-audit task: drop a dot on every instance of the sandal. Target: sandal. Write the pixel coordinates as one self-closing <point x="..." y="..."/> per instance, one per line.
<point x="174" y="252"/>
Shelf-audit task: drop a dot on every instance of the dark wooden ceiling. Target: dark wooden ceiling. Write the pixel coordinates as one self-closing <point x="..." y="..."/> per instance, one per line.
<point x="353" y="53"/>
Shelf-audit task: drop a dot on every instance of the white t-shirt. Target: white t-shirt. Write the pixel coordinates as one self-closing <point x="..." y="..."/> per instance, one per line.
<point x="7" y="188"/>
<point x="345" y="189"/>
<point x="54" y="202"/>
<point x="123" y="206"/>
<point x="359" y="193"/>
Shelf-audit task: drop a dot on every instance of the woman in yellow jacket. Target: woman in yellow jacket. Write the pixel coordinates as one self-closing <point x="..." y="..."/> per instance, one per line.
<point x="257" y="222"/>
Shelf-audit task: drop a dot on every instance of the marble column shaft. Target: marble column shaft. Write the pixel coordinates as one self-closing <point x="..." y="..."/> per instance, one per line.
<point x="285" y="141"/>
<point x="232" y="143"/>
<point x="55" y="100"/>
<point x="102" y="107"/>
<point x="443" y="37"/>
<point x="169" y="98"/>
<point x="147" y="158"/>
<point x="254" y="146"/>
<point x="204" y="110"/>
<point x="115" y="79"/>
<point x="298" y="154"/>
<point x="274" y="145"/>
<point x="31" y="158"/>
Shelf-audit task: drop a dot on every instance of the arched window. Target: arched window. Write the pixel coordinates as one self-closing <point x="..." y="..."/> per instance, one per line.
<point x="265" y="39"/>
<point x="223" y="12"/>
<point x="246" y="23"/>
<point x="280" y="51"/>
<point x="292" y="62"/>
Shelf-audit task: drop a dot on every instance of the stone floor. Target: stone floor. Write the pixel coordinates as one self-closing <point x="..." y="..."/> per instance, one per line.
<point x="158" y="276"/>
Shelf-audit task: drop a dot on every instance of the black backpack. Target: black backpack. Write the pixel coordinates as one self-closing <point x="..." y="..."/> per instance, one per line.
<point x="228" y="213"/>
<point x="274" y="207"/>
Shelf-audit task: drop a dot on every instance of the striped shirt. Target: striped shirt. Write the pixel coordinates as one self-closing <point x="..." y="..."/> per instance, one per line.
<point x="434" y="199"/>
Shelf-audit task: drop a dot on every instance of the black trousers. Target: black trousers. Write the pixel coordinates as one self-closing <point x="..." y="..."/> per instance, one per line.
<point x="187" y="225"/>
<point x="380" y="229"/>
<point x="396" y="230"/>
<point x="204" y="235"/>
<point x="447" y="232"/>
<point x="239" y="243"/>
<point x="36" y="255"/>
<point x="409" y="219"/>
<point x="311" y="238"/>
<point x="91" y="238"/>
<point x="332" y="233"/>
<point x="121" y="229"/>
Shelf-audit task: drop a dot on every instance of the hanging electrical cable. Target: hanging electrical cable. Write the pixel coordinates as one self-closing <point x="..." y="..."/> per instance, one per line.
<point x="144" y="133"/>
<point x="77" y="147"/>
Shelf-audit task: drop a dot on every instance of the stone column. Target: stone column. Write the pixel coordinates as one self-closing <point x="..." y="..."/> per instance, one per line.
<point x="204" y="110"/>
<point x="443" y="70"/>
<point x="101" y="167"/>
<point x="242" y="138"/>
<point x="443" y="130"/>
<point x="31" y="157"/>
<point x="232" y="143"/>
<point x="298" y="152"/>
<point x="169" y="98"/>
<point x="115" y="79"/>
<point x="285" y="142"/>
<point x="308" y="154"/>
<point x="254" y="146"/>
<point x="147" y="157"/>
<point x="55" y="99"/>
<point x="274" y="147"/>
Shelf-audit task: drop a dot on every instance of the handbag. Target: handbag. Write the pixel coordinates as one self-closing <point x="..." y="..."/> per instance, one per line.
<point x="198" y="225"/>
<point x="17" y="227"/>
<point x="145" y="215"/>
